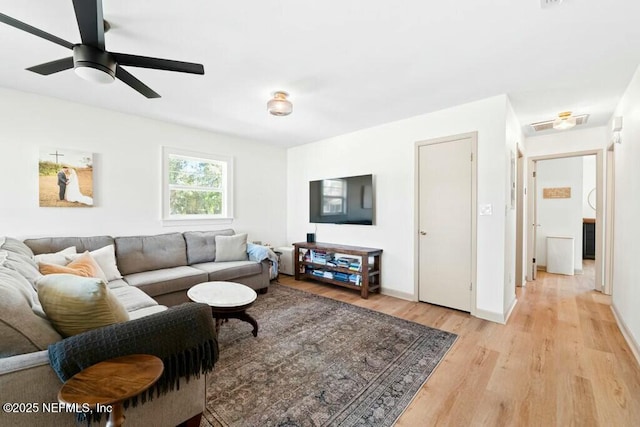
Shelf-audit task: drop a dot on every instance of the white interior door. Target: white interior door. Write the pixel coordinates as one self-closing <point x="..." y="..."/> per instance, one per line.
<point x="445" y="223"/>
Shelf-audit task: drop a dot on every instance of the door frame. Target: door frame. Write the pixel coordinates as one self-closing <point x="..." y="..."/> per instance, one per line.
<point x="474" y="218"/>
<point x="520" y="279"/>
<point x="600" y="283"/>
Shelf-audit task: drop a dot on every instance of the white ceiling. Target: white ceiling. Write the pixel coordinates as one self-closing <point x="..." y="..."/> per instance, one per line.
<point x="348" y="65"/>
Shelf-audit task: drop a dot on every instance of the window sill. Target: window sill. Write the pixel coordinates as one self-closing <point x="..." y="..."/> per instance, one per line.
<point x="195" y="221"/>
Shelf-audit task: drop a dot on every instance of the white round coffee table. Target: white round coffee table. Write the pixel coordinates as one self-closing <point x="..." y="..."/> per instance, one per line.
<point x="228" y="300"/>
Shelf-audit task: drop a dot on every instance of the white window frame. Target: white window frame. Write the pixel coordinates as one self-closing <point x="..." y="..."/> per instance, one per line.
<point x="227" y="189"/>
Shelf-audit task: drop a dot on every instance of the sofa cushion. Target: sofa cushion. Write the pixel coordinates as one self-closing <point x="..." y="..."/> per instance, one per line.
<point x="21" y="330"/>
<point x="229" y="270"/>
<point x="84" y="266"/>
<point x="117" y="284"/>
<point x="201" y="245"/>
<point x="167" y="280"/>
<point x="14" y="245"/>
<point x="137" y="314"/>
<point x="136" y="254"/>
<point x="57" y="258"/>
<point x="24" y="265"/>
<point x="231" y="248"/>
<point x="106" y="259"/>
<point x="133" y="298"/>
<point x="47" y="245"/>
<point x="77" y="304"/>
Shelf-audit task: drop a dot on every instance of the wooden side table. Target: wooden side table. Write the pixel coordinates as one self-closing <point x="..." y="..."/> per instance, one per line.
<point x="111" y="382"/>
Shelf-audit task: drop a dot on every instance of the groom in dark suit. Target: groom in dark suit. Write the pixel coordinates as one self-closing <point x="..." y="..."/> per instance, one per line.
<point x="63" y="181"/>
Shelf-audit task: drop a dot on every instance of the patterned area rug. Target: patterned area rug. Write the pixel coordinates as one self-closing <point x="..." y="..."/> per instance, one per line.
<point x="319" y="362"/>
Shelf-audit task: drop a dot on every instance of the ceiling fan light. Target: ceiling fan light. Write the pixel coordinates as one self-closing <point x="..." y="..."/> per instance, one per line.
<point x="279" y="105"/>
<point x="564" y="121"/>
<point x="94" y="65"/>
<point x="94" y="75"/>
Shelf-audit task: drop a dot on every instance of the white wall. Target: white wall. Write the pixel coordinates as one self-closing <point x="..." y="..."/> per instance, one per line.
<point x="127" y="171"/>
<point x="388" y="152"/>
<point x="559" y="217"/>
<point x="567" y="141"/>
<point x="588" y="184"/>
<point x="626" y="292"/>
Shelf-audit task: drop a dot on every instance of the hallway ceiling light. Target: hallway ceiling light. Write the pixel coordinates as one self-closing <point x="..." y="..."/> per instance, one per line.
<point x="548" y="124"/>
<point x="564" y="121"/>
<point x="279" y="105"/>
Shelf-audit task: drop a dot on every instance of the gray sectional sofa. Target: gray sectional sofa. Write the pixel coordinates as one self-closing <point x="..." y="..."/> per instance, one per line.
<point x="165" y="266"/>
<point x="157" y="272"/>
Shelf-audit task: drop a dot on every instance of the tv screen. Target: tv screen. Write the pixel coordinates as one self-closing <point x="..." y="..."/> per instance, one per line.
<point x="347" y="200"/>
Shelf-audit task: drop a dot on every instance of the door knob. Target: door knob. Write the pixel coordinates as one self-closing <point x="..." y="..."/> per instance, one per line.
<point x="423" y="233"/>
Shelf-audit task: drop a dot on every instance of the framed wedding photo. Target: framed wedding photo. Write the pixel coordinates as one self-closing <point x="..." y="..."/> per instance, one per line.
<point x="65" y="178"/>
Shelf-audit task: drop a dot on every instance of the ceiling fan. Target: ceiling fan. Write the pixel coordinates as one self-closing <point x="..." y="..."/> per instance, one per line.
<point x="91" y="60"/>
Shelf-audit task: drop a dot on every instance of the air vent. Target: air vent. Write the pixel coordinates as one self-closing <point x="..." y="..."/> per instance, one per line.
<point x="549" y="3"/>
<point x="548" y="124"/>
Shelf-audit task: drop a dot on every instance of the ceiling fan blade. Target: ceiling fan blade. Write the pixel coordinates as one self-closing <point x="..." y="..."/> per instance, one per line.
<point x="158" y="63"/>
<point x="90" y="22"/>
<point x="53" y="66"/>
<point x="135" y="83"/>
<point x="35" y="31"/>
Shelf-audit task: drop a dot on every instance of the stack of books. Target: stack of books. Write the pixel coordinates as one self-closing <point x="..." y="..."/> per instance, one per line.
<point x="355" y="279"/>
<point x="322" y="273"/>
<point x="346" y="262"/>
<point x="342" y="277"/>
<point x="320" y="257"/>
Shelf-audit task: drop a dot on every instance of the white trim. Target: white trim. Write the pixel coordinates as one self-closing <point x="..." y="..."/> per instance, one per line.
<point x="492" y="316"/>
<point x="510" y="311"/>
<point x="496" y="317"/>
<point x="192" y="221"/>
<point x="626" y="333"/>
<point x="227" y="186"/>
<point x="398" y="294"/>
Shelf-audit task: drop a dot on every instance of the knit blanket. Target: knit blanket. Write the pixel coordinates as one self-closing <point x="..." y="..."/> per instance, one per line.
<point x="182" y="336"/>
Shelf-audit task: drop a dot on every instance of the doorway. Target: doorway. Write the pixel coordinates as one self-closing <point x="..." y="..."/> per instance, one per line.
<point x="566" y="202"/>
<point x="446" y="221"/>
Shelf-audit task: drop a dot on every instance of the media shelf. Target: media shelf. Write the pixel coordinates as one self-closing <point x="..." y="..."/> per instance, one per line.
<point x="368" y="274"/>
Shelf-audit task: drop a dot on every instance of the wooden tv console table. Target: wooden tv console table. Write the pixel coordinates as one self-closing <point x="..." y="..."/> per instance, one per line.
<point x="367" y="276"/>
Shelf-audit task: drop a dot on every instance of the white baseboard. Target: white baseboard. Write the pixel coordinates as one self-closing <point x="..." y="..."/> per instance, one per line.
<point x="492" y="316"/>
<point x="496" y="317"/>
<point x="633" y="344"/>
<point x="398" y="294"/>
<point x="513" y="305"/>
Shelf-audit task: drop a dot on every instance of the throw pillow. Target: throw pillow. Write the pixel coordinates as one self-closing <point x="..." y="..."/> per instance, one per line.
<point x="77" y="304"/>
<point x="84" y="266"/>
<point x="58" y="258"/>
<point x="231" y="248"/>
<point x="106" y="259"/>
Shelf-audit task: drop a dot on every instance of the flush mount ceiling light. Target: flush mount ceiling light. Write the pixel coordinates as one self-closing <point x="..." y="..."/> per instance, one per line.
<point x="279" y="105"/>
<point x="564" y="121"/>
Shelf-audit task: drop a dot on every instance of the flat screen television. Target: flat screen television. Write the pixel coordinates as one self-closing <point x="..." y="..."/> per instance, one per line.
<point x="347" y="200"/>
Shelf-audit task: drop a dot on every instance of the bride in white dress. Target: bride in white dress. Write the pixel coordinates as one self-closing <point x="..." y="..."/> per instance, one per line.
<point x="73" y="193"/>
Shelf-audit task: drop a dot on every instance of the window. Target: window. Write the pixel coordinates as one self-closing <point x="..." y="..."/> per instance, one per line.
<point x="196" y="186"/>
<point x="334" y="197"/>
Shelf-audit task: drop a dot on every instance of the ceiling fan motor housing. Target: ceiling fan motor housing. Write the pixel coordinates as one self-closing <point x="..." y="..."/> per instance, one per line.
<point x="87" y="56"/>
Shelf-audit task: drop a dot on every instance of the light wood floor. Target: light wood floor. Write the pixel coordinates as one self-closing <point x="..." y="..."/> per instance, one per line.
<point x="560" y="360"/>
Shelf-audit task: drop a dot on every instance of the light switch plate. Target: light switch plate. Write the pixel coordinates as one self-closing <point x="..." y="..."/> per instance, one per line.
<point x="486" y="209"/>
